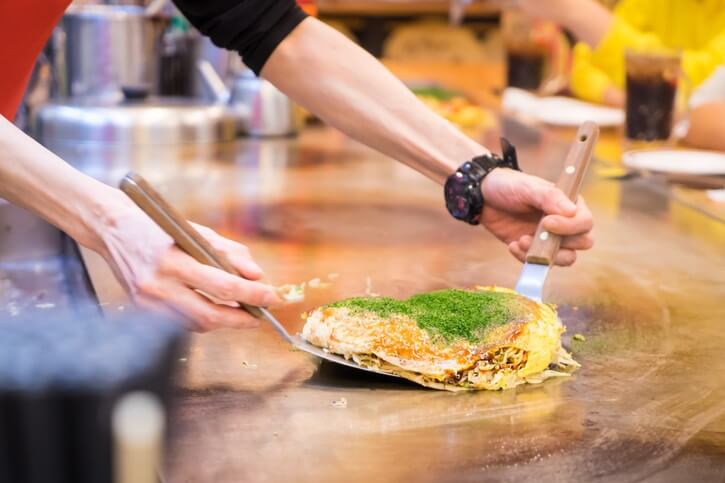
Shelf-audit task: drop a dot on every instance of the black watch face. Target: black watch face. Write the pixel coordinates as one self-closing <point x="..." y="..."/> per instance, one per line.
<point x="462" y="200"/>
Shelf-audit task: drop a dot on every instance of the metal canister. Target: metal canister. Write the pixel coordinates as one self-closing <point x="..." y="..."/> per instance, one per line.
<point x="263" y="110"/>
<point x="270" y="111"/>
<point x="111" y="51"/>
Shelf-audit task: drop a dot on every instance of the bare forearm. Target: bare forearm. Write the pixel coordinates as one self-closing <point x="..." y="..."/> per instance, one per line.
<point x="36" y="179"/>
<point x="706" y="127"/>
<point x="588" y="20"/>
<point x="352" y="91"/>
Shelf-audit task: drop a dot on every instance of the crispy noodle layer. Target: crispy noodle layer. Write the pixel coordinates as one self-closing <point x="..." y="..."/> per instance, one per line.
<point x="491" y="374"/>
<point x="514" y="354"/>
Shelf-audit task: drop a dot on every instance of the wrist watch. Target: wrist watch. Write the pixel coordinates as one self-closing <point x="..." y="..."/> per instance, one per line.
<point x="464" y="198"/>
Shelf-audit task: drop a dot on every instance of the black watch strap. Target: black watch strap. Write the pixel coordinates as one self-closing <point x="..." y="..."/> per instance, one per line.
<point x="508" y="151"/>
<point x="463" y="195"/>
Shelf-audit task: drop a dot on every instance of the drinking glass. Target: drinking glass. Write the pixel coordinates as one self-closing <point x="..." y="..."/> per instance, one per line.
<point x="651" y="85"/>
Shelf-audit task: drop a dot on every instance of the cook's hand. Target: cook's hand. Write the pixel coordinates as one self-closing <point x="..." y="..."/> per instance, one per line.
<point x="514" y="204"/>
<point x="155" y="271"/>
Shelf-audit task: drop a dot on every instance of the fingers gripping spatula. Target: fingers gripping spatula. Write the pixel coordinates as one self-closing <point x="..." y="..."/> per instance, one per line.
<point x="545" y="245"/>
<point x="191" y="241"/>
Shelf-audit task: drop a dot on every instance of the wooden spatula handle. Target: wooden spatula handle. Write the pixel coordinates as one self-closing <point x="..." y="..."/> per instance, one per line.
<point x="176" y="226"/>
<point x="545" y="245"/>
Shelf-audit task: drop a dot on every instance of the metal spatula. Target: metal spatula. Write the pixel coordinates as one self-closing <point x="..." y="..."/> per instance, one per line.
<point x="544" y="246"/>
<point x="191" y="241"/>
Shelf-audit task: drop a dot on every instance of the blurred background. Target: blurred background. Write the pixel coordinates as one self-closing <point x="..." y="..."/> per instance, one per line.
<point x="132" y="85"/>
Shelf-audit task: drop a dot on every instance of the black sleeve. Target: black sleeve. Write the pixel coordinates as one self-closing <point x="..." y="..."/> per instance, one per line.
<point x="254" y="28"/>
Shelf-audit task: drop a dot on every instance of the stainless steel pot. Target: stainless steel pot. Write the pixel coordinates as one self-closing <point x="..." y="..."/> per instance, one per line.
<point x="153" y="122"/>
<point x="106" y="141"/>
<point x="263" y="110"/>
<point x="111" y="51"/>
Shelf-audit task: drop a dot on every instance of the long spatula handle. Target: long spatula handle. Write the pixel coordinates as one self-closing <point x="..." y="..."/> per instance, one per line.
<point x="545" y="244"/>
<point x="188" y="239"/>
<point x="176" y="226"/>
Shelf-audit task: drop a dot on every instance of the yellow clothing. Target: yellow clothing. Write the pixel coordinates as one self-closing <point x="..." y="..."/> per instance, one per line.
<point x="696" y="27"/>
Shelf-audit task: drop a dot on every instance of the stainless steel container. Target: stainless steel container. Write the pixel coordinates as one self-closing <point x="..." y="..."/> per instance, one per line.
<point x="154" y="122"/>
<point x="103" y="140"/>
<point x="270" y="111"/>
<point x="262" y="109"/>
<point x="110" y="51"/>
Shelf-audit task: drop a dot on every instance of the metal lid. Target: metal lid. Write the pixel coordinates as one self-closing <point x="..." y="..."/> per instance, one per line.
<point x="118" y="12"/>
<point x="153" y="122"/>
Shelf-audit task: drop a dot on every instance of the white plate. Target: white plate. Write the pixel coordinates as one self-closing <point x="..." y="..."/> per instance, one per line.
<point x="676" y="161"/>
<point x="559" y="111"/>
<point x="716" y="195"/>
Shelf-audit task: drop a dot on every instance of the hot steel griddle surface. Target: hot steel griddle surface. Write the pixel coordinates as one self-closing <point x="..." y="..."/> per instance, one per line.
<point x="648" y="403"/>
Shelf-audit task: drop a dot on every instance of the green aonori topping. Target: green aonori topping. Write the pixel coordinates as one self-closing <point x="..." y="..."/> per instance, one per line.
<point x="452" y="314"/>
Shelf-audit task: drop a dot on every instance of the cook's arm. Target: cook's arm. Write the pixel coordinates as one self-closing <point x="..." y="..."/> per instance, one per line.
<point x="351" y="90"/>
<point x="142" y="256"/>
<point x="69" y="200"/>
<point x="334" y="78"/>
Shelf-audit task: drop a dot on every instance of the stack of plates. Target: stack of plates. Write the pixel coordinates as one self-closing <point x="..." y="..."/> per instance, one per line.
<point x="676" y="161"/>
<point x="700" y="169"/>
<point x="559" y="111"/>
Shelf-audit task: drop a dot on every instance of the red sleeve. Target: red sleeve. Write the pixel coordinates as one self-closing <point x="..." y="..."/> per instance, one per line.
<point x="25" y="26"/>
